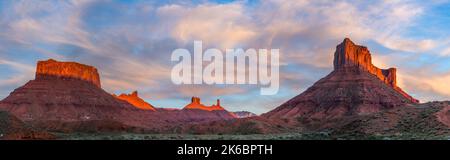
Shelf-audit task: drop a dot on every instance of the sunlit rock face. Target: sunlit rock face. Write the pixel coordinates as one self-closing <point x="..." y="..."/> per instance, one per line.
<point x="198" y="110"/>
<point x="196" y="104"/>
<point x="67" y="70"/>
<point x="355" y="86"/>
<point x="136" y="101"/>
<point x="348" y="55"/>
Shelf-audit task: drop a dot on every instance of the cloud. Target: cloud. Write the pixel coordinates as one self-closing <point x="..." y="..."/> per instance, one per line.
<point x="439" y="84"/>
<point x="21" y="73"/>
<point x="191" y="90"/>
<point x="108" y="49"/>
<point x="408" y="45"/>
<point x="16" y="66"/>
<point x="129" y="74"/>
<point x="431" y="88"/>
<point x="225" y="25"/>
<point x="445" y="52"/>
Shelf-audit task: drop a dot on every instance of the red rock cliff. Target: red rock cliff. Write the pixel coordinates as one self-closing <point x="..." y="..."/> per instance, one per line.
<point x="136" y="101"/>
<point x="350" y="55"/>
<point x="71" y="70"/>
<point x="196" y="104"/>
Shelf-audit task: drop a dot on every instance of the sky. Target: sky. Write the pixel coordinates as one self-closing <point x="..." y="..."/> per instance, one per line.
<point x="131" y="41"/>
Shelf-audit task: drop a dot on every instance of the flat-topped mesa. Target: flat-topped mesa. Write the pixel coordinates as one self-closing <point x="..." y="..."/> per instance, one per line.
<point x="196" y="104"/>
<point x="70" y="70"/>
<point x="350" y="55"/>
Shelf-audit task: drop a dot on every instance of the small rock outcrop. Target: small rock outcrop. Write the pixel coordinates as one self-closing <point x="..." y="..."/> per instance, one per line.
<point x="197" y="110"/>
<point x="136" y="101"/>
<point x="196" y="104"/>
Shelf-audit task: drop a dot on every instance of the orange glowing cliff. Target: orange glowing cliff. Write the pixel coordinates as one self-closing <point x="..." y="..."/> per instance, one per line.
<point x="349" y="55"/>
<point x="67" y="70"/>
<point x="136" y="101"/>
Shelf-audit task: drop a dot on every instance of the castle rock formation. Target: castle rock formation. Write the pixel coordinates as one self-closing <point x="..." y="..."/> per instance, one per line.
<point x="196" y="104"/>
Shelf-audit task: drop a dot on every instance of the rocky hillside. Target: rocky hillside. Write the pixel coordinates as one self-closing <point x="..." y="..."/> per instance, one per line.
<point x="11" y="128"/>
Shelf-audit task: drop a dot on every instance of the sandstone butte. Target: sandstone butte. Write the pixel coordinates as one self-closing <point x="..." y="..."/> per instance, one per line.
<point x="349" y="55"/>
<point x="136" y="101"/>
<point x="196" y="104"/>
<point x="354" y="87"/>
<point x="67" y="70"/>
<point x="64" y="91"/>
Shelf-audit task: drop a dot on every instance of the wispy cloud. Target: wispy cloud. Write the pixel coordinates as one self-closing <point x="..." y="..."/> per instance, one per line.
<point x="18" y="74"/>
<point x="224" y="25"/>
